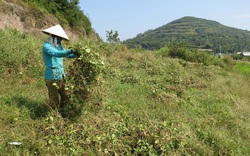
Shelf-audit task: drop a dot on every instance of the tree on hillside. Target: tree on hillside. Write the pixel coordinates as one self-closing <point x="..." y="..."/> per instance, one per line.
<point x="112" y="36"/>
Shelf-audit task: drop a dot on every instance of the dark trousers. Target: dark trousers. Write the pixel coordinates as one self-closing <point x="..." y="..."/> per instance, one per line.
<point x="57" y="94"/>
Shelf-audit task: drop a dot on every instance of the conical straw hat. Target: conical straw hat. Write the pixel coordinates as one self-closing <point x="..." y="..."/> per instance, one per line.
<point x="56" y="30"/>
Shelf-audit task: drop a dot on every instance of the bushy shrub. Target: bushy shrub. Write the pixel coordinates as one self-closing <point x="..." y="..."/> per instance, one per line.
<point x="228" y="60"/>
<point x="163" y="51"/>
<point x="178" y="50"/>
<point x="236" y="56"/>
<point x="183" y="51"/>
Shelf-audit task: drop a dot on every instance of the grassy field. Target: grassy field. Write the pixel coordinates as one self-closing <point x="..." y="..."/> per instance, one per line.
<point x="243" y="67"/>
<point x="150" y="105"/>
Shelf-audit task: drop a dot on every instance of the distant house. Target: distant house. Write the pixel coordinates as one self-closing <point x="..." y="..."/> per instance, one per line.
<point x="208" y="50"/>
<point x="244" y="54"/>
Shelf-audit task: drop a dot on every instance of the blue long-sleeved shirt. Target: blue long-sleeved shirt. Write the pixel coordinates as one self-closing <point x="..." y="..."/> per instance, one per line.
<point x="53" y="59"/>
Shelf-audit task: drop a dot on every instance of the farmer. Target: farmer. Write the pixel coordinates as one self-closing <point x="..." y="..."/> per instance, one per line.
<point x="53" y="54"/>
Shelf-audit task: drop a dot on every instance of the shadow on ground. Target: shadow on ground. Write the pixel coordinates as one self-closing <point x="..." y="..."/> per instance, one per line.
<point x="37" y="109"/>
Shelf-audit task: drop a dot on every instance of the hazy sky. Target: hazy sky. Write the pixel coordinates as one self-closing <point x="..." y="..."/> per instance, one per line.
<point x="131" y="17"/>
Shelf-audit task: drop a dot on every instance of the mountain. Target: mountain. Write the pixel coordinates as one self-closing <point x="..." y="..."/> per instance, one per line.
<point x="197" y="32"/>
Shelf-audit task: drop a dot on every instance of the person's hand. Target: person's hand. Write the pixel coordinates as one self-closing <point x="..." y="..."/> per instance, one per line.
<point x="70" y="51"/>
<point x="76" y="53"/>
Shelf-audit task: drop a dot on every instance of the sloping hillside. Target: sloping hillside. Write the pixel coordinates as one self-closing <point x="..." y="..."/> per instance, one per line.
<point x="27" y="18"/>
<point x="197" y="32"/>
<point x="149" y="105"/>
<point x="23" y="18"/>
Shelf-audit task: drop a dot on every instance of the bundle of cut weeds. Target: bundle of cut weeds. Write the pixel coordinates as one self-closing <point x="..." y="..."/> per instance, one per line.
<point x="84" y="73"/>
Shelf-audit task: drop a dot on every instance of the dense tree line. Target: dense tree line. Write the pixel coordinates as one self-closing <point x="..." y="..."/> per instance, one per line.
<point x="67" y="11"/>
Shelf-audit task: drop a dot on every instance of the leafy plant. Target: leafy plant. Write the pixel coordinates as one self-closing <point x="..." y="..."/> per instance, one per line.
<point x="85" y="72"/>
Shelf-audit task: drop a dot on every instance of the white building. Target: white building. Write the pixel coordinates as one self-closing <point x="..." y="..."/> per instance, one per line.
<point x="245" y="54"/>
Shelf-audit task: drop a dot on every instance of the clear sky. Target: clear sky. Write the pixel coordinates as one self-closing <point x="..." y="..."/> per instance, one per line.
<point x="132" y="17"/>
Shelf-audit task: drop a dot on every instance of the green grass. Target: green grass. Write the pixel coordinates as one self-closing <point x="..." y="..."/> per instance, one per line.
<point x="151" y="105"/>
<point x="243" y="67"/>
